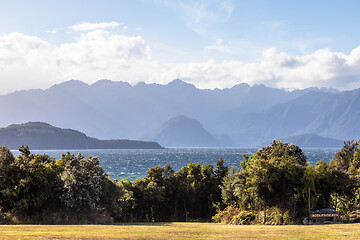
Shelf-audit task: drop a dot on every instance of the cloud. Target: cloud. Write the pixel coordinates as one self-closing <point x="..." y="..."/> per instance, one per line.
<point x="86" y="26"/>
<point x="322" y="68"/>
<point x="30" y="62"/>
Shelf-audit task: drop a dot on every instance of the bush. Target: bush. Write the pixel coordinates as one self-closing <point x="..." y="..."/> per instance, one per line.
<point x="233" y="215"/>
<point x="226" y="215"/>
<point x="244" y="218"/>
<point x="275" y="216"/>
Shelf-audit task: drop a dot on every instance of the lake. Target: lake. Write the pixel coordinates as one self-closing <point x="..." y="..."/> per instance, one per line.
<point x="134" y="163"/>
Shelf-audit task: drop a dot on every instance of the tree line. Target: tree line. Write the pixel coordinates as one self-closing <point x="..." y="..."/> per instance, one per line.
<point x="276" y="185"/>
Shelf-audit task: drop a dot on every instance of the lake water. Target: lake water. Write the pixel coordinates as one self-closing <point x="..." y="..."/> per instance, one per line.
<point x="134" y="163"/>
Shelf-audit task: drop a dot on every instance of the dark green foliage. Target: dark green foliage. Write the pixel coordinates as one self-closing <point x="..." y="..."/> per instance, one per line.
<point x="345" y="169"/>
<point x="325" y="185"/>
<point x="278" y="177"/>
<point x="221" y="171"/>
<point x="117" y="200"/>
<point x="280" y="149"/>
<point x="31" y="183"/>
<point x="165" y="195"/>
<point x="271" y="177"/>
<point x="6" y="160"/>
<point x="276" y="185"/>
<point x="344" y="159"/>
<point x="35" y="187"/>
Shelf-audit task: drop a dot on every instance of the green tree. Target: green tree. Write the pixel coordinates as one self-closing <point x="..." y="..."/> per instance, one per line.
<point x="346" y="168"/>
<point x="32" y="183"/>
<point x="82" y="181"/>
<point x="221" y="171"/>
<point x="309" y="179"/>
<point x="271" y="177"/>
<point x="6" y="161"/>
<point x="325" y="184"/>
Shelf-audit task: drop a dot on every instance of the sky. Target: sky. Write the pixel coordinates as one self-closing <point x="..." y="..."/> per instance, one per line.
<point x="287" y="44"/>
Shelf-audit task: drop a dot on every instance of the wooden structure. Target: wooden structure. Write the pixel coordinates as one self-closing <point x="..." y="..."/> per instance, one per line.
<point x="323" y="216"/>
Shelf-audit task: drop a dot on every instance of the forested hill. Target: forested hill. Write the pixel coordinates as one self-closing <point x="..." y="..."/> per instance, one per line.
<point x="184" y="132"/>
<point x="39" y="135"/>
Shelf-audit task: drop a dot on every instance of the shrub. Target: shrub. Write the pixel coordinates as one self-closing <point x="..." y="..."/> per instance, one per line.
<point x="226" y="215"/>
<point x="244" y="218"/>
<point x="274" y="216"/>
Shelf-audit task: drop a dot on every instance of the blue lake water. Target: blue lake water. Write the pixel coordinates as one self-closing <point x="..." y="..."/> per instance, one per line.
<point x="134" y="163"/>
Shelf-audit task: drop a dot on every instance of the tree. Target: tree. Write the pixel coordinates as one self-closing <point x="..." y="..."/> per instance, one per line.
<point x="220" y="171"/>
<point x="309" y="179"/>
<point x="346" y="169"/>
<point x="280" y="149"/>
<point x="6" y="160"/>
<point x="343" y="159"/>
<point x="271" y="177"/>
<point x="82" y="182"/>
<point x="32" y="183"/>
<point x="325" y="184"/>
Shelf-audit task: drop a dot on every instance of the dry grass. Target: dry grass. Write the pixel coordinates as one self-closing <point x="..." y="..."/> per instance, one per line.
<point x="179" y="231"/>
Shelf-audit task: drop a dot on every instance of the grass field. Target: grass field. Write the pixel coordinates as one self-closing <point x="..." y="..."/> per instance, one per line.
<point x="179" y="231"/>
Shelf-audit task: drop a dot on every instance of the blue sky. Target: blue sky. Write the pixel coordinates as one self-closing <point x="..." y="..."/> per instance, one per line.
<point x="289" y="44"/>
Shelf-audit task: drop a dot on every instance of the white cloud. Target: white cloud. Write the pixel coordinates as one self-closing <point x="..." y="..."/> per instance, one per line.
<point x="322" y="68"/>
<point x="86" y="26"/>
<point x="30" y="62"/>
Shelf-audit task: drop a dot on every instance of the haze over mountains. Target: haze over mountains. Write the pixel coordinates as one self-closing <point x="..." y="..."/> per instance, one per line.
<point x="310" y="140"/>
<point x="240" y="116"/>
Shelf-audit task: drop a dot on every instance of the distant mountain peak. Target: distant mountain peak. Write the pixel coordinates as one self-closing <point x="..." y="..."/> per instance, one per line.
<point x="103" y="81"/>
<point x="30" y="124"/>
<point x="69" y="84"/>
<point x="180" y="83"/>
<point x="182" y="118"/>
<point x="182" y="121"/>
<point x="241" y="86"/>
<point x="182" y="131"/>
<point x="107" y="82"/>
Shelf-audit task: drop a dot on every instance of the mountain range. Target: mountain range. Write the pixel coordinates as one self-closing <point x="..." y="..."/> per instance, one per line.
<point x="310" y="140"/>
<point x="242" y="116"/>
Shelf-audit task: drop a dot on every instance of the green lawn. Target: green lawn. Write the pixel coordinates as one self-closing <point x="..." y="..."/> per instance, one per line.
<point x="179" y="231"/>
